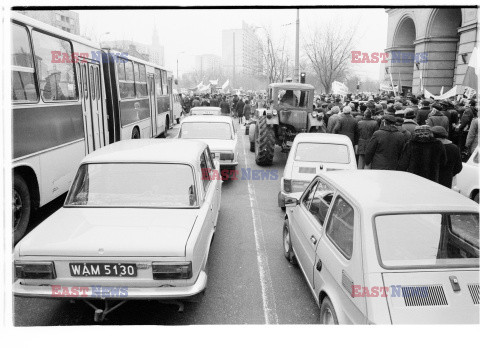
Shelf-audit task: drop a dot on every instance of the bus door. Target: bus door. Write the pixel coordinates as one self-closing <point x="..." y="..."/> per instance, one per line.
<point x="91" y="93"/>
<point x="153" y="103"/>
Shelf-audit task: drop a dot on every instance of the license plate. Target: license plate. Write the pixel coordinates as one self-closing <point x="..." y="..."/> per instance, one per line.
<point x="103" y="269"/>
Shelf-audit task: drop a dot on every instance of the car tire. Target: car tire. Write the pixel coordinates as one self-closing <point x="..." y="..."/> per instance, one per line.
<point x="328" y="316"/>
<point x="135" y="133"/>
<point x="287" y="244"/>
<point x="21" y="208"/>
<point x="167" y="126"/>
<point x="264" y="142"/>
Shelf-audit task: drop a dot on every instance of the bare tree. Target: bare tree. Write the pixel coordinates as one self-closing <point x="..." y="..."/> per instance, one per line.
<point x="329" y="51"/>
<point x="275" y="57"/>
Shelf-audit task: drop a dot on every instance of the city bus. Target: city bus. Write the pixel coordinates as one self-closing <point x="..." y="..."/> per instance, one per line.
<point x="69" y="98"/>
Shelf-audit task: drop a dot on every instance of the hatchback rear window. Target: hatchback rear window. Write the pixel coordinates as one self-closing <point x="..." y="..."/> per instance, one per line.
<point x="322" y="152"/>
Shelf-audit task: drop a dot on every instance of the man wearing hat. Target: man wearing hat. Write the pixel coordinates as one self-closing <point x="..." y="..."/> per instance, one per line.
<point x="409" y="123"/>
<point x="437" y="118"/>
<point x="453" y="165"/>
<point x="423" y="155"/>
<point x="385" y="147"/>
<point x="333" y="119"/>
<point x="423" y="112"/>
<point x="365" y="129"/>
<point x="347" y="125"/>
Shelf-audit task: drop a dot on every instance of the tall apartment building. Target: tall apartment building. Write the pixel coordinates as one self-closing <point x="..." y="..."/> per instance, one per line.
<point x="63" y="19"/>
<point x="241" y="49"/>
<point x="209" y="65"/>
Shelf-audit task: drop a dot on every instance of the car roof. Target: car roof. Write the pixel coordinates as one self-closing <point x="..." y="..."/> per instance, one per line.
<point x="397" y="191"/>
<point x="211" y="108"/>
<point x="291" y="85"/>
<point x="322" y="138"/>
<point x="210" y="119"/>
<point x="149" y="150"/>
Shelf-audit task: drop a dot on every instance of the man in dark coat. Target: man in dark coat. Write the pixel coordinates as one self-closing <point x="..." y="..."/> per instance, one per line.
<point x="225" y="107"/>
<point x="453" y="166"/>
<point x="409" y="123"/>
<point x="437" y="118"/>
<point x="385" y="147"/>
<point x="423" y="155"/>
<point x="347" y="125"/>
<point x="423" y="112"/>
<point x="240" y="107"/>
<point x="365" y="129"/>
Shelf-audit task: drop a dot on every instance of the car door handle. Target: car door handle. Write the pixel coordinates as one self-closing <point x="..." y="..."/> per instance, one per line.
<point x="313" y="239"/>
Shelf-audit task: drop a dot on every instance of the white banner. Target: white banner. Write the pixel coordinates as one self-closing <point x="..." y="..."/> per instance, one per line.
<point x="225" y="85"/>
<point x="387" y="87"/>
<point x="339" y="88"/>
<point x="450" y="93"/>
<point x="214" y="82"/>
<point x="200" y="85"/>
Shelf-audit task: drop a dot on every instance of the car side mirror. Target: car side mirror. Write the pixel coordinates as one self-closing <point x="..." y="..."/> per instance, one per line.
<point x="291" y="201"/>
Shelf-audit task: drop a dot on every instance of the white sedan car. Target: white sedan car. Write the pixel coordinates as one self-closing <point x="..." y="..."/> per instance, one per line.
<point x="137" y="224"/>
<point x="311" y="154"/>
<point x="466" y="182"/>
<point x="385" y="247"/>
<point x="218" y="132"/>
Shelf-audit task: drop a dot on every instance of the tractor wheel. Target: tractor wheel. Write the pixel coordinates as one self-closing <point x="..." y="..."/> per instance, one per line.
<point x="264" y="142"/>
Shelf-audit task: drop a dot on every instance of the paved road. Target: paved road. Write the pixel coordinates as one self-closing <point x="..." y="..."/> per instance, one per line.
<point x="250" y="282"/>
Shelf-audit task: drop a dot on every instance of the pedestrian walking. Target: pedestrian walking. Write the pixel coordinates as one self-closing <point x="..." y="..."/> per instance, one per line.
<point x="409" y="123"/>
<point x="423" y="155"/>
<point x="423" y="112"/>
<point x="247" y="110"/>
<point x="240" y="106"/>
<point x="365" y="129"/>
<point x="333" y="119"/>
<point x="385" y="147"/>
<point x="347" y="125"/>
<point x="472" y="137"/>
<point x="437" y="118"/>
<point x="453" y="164"/>
<point x="225" y="107"/>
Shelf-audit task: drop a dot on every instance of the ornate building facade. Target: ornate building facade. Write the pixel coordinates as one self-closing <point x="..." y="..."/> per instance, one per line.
<point x="436" y="44"/>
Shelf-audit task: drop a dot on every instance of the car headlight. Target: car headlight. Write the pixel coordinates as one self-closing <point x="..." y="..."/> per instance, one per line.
<point x="274" y="112"/>
<point x="35" y="270"/>
<point x="171" y="270"/>
<point x="314" y="114"/>
<point x="287" y="185"/>
<point x="226" y="156"/>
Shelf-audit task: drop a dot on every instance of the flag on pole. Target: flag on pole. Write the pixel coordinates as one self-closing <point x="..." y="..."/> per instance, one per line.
<point x="391" y="81"/>
<point x="399" y="83"/>
<point x="471" y="76"/>
<point x="441" y="91"/>
<point x="421" y="81"/>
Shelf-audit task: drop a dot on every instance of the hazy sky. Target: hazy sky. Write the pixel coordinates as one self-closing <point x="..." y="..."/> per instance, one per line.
<point x="200" y="31"/>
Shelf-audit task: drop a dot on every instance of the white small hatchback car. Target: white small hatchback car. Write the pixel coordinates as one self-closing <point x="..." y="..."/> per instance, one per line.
<point x="218" y="132"/>
<point x="137" y="223"/>
<point x="466" y="182"/>
<point x="311" y="154"/>
<point x="385" y="247"/>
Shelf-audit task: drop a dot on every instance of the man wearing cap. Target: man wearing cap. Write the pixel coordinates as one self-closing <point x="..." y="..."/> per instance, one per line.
<point x="347" y="125"/>
<point x="423" y="155"/>
<point x="333" y="119"/>
<point x="409" y="123"/>
<point x="453" y="165"/>
<point x="423" y="112"/>
<point x="385" y="147"/>
<point x="437" y="118"/>
<point x="365" y="129"/>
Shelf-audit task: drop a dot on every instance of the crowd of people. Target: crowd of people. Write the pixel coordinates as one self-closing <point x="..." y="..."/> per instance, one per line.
<point x="423" y="136"/>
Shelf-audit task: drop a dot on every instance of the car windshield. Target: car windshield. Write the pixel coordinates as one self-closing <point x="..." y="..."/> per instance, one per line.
<point x="428" y="240"/>
<point x="133" y="185"/>
<point x="293" y="98"/>
<point x="206" y="130"/>
<point x="321" y="152"/>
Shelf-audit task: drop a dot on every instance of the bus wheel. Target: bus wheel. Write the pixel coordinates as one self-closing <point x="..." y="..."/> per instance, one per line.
<point x="21" y="208"/>
<point x="135" y="133"/>
<point x="167" y="126"/>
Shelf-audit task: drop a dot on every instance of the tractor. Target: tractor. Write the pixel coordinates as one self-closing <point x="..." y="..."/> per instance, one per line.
<point x="289" y="112"/>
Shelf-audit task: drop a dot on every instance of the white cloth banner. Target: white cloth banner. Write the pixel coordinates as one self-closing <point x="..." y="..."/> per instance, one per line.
<point x="214" y="82"/>
<point x="387" y="87"/>
<point x="200" y="85"/>
<point x="339" y="88"/>
<point x="450" y="93"/>
<point x="225" y="85"/>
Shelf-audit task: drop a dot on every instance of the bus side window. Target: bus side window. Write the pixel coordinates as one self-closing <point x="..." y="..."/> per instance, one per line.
<point x="23" y="80"/>
<point x="55" y="67"/>
<point x="158" y="83"/>
<point x="140" y="80"/>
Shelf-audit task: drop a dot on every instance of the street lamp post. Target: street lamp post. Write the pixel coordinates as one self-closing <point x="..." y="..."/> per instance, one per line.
<point x="297" y="47"/>
<point x="178" y="54"/>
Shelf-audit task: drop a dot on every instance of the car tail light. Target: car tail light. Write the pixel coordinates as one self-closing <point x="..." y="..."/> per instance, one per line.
<point x="35" y="270"/>
<point x="226" y="156"/>
<point x="299" y="185"/>
<point x="287" y="185"/>
<point x="171" y="270"/>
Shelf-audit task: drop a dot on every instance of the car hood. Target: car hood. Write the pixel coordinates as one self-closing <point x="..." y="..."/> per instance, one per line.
<point x="105" y="232"/>
<point x="429" y="297"/>
<point x="219" y="145"/>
